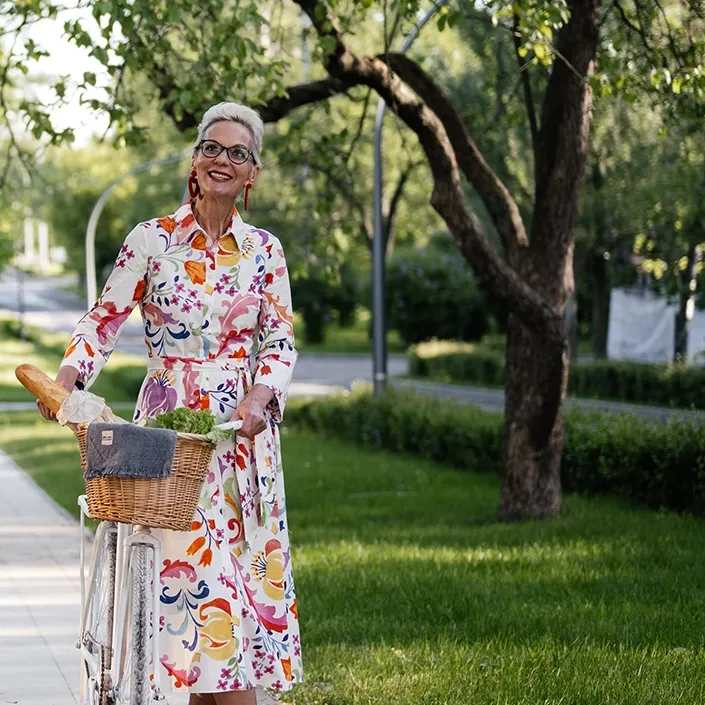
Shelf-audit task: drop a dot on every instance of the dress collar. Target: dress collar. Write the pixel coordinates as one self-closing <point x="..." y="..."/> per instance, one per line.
<point x="187" y="229"/>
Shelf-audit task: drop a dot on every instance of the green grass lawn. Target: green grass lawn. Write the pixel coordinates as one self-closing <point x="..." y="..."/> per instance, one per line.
<point x="411" y="593"/>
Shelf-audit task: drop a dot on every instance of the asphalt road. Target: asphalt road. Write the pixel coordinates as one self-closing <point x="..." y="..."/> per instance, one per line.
<point x="493" y="400"/>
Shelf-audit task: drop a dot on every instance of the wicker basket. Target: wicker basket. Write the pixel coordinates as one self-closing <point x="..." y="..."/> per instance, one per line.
<point x="159" y="504"/>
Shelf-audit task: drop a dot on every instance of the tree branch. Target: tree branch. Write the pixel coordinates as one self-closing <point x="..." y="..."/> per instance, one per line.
<point x="272" y="111"/>
<point x="526" y="82"/>
<point x="360" y="126"/>
<point x="671" y="39"/>
<point x="303" y="94"/>
<point x="396" y="200"/>
<point x="5" y="112"/>
<point x="631" y="26"/>
<point x="500" y="204"/>
<point x="348" y="191"/>
<point x="447" y="196"/>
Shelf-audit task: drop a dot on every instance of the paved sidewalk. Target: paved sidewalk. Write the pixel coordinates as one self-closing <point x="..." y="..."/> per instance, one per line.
<point x="39" y="594"/>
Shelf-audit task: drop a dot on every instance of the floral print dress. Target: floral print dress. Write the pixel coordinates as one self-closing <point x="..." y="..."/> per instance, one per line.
<point x="229" y="613"/>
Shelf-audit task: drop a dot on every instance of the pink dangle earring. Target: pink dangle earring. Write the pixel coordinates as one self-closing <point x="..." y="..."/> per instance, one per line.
<point x="247" y="194"/>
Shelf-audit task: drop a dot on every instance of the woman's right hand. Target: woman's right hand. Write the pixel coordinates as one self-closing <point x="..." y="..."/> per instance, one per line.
<point x="66" y="377"/>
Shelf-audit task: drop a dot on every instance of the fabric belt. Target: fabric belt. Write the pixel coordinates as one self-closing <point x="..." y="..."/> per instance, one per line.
<point x="255" y="481"/>
<point x="190" y="363"/>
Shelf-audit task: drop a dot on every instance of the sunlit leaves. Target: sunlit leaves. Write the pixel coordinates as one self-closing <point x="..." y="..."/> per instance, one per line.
<point x="533" y="23"/>
<point x="33" y="51"/>
<point x="656" y="48"/>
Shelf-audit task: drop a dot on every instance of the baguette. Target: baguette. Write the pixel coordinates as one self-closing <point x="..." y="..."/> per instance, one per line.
<point x="42" y="386"/>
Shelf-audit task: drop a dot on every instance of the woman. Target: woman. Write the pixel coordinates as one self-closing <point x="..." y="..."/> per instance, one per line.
<point x="205" y="281"/>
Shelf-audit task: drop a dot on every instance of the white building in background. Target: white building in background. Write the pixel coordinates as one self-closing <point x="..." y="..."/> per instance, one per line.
<point x="36" y="253"/>
<point x="43" y="246"/>
<point x="28" y="254"/>
<point x="642" y="327"/>
<point x="696" y="338"/>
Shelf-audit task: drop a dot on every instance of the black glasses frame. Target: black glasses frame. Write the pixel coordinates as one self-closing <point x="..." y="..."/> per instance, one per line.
<point x="228" y="151"/>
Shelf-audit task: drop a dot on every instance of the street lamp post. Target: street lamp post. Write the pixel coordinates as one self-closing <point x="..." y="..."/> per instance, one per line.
<point x="91" y="279"/>
<point x="379" y="326"/>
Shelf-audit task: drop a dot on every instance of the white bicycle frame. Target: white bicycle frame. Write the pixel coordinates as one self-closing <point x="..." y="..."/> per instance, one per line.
<point x="127" y="537"/>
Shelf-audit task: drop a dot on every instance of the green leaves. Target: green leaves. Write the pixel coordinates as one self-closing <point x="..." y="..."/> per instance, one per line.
<point x="184" y="420"/>
<point x="656" y="48"/>
<point x="534" y="26"/>
<point x="447" y="17"/>
<point x="74" y="30"/>
<point x="32" y="51"/>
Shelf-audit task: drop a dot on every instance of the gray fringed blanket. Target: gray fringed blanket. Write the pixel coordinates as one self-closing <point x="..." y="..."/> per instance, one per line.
<point x="126" y="450"/>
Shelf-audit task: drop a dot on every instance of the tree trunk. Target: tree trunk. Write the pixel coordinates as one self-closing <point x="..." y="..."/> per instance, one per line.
<point x="535" y="383"/>
<point x="571" y="327"/>
<point x="687" y="289"/>
<point x="536" y="371"/>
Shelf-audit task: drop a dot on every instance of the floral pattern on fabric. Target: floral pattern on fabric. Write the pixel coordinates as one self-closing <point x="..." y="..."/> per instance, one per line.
<point x="217" y="319"/>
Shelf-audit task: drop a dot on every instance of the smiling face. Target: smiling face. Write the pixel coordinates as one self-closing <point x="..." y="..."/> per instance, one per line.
<point x="218" y="177"/>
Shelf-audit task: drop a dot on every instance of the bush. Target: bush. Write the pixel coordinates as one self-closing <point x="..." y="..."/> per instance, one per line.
<point x="678" y="386"/>
<point x="346" y="296"/>
<point x="655" y="464"/>
<point x="450" y="361"/>
<point x="312" y="298"/>
<point x="319" y="295"/>
<point x="433" y="294"/>
<point x="406" y="422"/>
<point x="126" y="376"/>
<point x="675" y="385"/>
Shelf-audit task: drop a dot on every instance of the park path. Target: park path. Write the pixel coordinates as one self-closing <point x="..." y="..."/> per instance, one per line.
<point x="38" y="594"/>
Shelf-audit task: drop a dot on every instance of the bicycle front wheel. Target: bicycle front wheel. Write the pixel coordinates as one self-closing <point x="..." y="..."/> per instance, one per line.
<point x="135" y="679"/>
<point x="96" y="637"/>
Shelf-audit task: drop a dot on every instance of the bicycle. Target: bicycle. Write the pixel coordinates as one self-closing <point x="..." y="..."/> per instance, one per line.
<point x="120" y="596"/>
<point x="117" y="665"/>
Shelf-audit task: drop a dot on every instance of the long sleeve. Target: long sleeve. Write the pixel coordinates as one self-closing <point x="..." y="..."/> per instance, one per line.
<point x="276" y="354"/>
<point x="97" y="333"/>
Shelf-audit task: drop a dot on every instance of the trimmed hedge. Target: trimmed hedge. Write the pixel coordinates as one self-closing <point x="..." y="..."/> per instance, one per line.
<point x="677" y="386"/>
<point x="654" y="464"/>
<point x="449" y="361"/>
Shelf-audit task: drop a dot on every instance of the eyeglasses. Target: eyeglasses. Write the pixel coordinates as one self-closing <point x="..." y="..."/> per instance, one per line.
<point x="237" y="154"/>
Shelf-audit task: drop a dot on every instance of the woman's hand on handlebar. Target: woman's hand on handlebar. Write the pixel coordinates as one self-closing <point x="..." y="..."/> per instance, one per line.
<point x="251" y="411"/>
<point x="66" y="377"/>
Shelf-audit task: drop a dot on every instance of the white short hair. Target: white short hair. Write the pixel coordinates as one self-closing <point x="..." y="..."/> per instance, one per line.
<point x="235" y="112"/>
